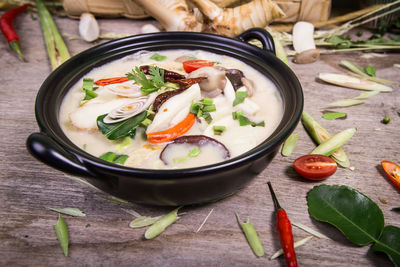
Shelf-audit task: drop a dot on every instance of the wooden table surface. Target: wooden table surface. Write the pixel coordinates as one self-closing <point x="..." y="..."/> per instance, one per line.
<point x="28" y="187"/>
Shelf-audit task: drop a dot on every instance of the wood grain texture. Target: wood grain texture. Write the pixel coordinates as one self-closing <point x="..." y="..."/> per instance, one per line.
<point x="28" y="187"/>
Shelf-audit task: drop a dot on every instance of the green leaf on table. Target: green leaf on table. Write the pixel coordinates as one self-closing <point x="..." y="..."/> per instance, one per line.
<point x="69" y="211"/>
<point x="62" y="234"/>
<point x="354" y="214"/>
<point x="389" y="243"/>
<point x="120" y="129"/>
<point x="334" y="115"/>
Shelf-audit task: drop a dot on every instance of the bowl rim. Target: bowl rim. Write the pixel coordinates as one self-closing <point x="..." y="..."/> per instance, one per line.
<point x="90" y="161"/>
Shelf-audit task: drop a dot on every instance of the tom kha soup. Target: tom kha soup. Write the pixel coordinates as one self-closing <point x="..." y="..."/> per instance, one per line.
<point x="171" y="109"/>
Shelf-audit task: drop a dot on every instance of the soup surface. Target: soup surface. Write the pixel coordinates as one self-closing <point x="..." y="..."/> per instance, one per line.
<point x="171" y="109"/>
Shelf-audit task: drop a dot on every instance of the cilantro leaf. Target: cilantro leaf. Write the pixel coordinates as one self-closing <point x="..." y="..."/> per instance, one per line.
<point x="148" y="85"/>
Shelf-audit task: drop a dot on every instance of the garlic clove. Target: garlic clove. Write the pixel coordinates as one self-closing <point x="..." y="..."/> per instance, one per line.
<point x="88" y="27"/>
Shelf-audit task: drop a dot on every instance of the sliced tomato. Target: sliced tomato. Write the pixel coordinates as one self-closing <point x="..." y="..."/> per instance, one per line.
<point x="192" y="65"/>
<point x="392" y="171"/>
<point x="315" y="167"/>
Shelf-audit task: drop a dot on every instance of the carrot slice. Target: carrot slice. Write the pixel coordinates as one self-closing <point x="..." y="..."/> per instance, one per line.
<point x="103" y="82"/>
<point x="173" y="132"/>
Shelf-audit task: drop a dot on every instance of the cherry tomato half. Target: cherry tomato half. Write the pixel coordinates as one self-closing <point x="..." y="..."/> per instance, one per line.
<point x="315" y="167"/>
<point x="392" y="171"/>
<point x="192" y="65"/>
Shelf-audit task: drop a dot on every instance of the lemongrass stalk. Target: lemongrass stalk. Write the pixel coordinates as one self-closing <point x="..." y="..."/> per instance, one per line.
<point x="334" y="143"/>
<point x="56" y="48"/>
<point x="296" y="245"/>
<point x="289" y="145"/>
<point x="343" y="103"/>
<point x="319" y="135"/>
<point x="366" y="95"/>
<point x="353" y="82"/>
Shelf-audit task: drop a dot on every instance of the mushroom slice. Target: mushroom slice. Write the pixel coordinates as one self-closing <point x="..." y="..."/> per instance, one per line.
<point x="205" y="150"/>
<point x="130" y="109"/>
<point x="235" y="76"/>
<point x="215" y="78"/>
<point x="127" y="89"/>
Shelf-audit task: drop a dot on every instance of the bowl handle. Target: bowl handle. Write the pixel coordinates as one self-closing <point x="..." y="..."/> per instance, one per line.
<point x="261" y="35"/>
<point x="48" y="151"/>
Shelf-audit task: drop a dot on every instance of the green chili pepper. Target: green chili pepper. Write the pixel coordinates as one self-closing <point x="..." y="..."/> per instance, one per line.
<point x="160" y="225"/>
<point x="252" y="237"/>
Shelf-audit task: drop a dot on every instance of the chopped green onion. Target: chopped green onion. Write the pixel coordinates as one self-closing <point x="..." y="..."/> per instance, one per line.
<point x="344" y="103"/>
<point x="207" y="101"/>
<point x="210" y="108"/>
<point x="158" y="57"/>
<point x="334" y="115"/>
<point x="126" y="142"/>
<point x="146" y="122"/>
<point x="69" y="211"/>
<point x="194" y="152"/>
<point x="120" y="159"/>
<point x="56" y="48"/>
<point x="180" y="160"/>
<point x="218" y="130"/>
<point x="252" y="237"/>
<point x="334" y="143"/>
<point x="289" y="145"/>
<point x="109" y="156"/>
<point x="161" y="224"/>
<point x="240" y="96"/>
<point x="62" y="234"/>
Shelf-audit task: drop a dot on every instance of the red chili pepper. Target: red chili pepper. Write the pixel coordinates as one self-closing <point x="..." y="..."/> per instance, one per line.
<point x="107" y="81"/>
<point x="7" y="29"/>
<point x="284" y="228"/>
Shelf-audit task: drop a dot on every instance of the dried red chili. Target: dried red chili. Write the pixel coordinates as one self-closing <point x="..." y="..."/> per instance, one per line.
<point x="7" y="29"/>
<point x="284" y="228"/>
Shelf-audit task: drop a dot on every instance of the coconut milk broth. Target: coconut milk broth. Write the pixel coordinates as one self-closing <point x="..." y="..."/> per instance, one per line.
<point x="237" y="139"/>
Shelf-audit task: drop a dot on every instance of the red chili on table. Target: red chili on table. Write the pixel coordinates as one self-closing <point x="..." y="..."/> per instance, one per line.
<point x="7" y="29"/>
<point x="284" y="228"/>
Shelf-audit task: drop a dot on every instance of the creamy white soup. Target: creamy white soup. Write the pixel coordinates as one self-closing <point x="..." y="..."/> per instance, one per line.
<point x="171" y="109"/>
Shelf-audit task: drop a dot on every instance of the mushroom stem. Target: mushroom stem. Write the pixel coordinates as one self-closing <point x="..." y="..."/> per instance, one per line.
<point x="234" y="21"/>
<point x="173" y="15"/>
<point x="303" y="43"/>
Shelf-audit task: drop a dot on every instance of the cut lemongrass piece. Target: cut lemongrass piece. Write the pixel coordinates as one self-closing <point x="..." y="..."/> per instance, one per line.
<point x="132" y="212"/>
<point x="334" y="143"/>
<point x="366" y="95"/>
<point x="319" y="135"/>
<point x="309" y="230"/>
<point x="353" y="82"/>
<point x="143" y="221"/>
<point x="344" y="103"/>
<point x="358" y="70"/>
<point x="201" y="225"/>
<point x="289" y="145"/>
<point x="396" y="65"/>
<point x="296" y="244"/>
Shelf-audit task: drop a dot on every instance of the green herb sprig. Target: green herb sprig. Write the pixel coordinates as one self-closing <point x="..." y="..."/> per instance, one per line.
<point x="148" y="85"/>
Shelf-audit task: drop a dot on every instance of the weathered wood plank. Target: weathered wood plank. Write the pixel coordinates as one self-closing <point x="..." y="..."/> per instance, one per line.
<point x="28" y="187"/>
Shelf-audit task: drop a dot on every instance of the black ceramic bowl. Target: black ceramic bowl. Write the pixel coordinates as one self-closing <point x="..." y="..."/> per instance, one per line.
<point x="164" y="187"/>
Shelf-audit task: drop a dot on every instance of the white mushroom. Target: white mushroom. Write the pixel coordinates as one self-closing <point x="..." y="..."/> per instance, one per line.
<point x="303" y="43"/>
<point x="215" y="78"/>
